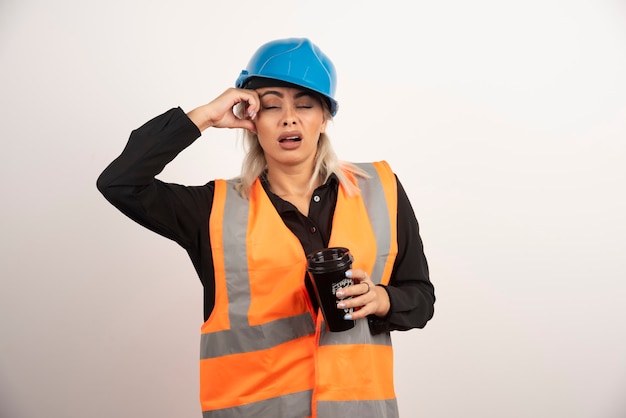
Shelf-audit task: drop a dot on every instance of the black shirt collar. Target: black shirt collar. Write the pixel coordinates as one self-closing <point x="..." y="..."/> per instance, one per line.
<point x="282" y="206"/>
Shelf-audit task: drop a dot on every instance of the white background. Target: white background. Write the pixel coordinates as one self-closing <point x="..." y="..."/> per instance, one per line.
<point x="505" y="121"/>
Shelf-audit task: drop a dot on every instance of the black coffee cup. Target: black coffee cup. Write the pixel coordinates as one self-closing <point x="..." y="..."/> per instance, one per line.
<point x="327" y="270"/>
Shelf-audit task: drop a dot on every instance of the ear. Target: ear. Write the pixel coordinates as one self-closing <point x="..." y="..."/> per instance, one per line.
<point x="323" y="126"/>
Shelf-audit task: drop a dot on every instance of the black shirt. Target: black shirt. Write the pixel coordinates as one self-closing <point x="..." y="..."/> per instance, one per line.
<point x="181" y="213"/>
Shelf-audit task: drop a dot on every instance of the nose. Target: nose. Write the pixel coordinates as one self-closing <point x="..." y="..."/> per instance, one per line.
<point x="289" y="117"/>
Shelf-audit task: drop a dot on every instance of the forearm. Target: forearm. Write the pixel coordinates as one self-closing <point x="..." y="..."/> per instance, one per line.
<point x="412" y="305"/>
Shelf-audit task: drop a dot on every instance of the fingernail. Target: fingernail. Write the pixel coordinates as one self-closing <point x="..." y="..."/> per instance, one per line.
<point x="340" y="293"/>
<point x="341" y="305"/>
<point x="349" y="273"/>
<point x="347" y="317"/>
<point x="252" y="114"/>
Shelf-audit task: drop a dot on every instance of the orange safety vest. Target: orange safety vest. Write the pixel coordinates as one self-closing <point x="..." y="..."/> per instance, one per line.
<point x="264" y="351"/>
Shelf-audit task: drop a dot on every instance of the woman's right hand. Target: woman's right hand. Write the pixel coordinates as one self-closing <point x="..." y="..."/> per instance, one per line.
<point x="219" y="113"/>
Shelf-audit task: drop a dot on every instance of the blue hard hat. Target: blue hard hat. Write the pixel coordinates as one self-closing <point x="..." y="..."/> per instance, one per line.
<point x="295" y="61"/>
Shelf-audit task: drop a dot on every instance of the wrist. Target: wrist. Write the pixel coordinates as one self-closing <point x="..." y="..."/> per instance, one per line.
<point x="385" y="305"/>
<point x="201" y="117"/>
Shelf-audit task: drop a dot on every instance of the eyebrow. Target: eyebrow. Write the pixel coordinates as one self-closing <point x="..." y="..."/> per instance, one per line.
<point x="279" y="94"/>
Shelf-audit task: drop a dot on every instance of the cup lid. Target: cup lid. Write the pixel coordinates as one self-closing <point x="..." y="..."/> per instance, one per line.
<point x="329" y="259"/>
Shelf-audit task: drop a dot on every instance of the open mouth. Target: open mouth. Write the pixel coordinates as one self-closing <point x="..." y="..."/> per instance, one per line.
<point x="290" y="139"/>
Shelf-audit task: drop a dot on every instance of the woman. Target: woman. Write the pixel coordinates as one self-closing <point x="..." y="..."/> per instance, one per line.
<point x="265" y="351"/>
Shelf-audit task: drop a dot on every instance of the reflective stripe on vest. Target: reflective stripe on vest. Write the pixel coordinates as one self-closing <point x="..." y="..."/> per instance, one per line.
<point x="258" y="347"/>
<point x="298" y="405"/>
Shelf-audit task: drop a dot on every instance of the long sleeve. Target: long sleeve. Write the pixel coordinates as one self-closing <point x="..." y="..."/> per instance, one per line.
<point x="129" y="183"/>
<point x="411" y="293"/>
<point x="180" y="213"/>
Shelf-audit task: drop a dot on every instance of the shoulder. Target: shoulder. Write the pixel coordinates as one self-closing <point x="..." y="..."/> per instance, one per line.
<point x="377" y="169"/>
<point x="373" y="167"/>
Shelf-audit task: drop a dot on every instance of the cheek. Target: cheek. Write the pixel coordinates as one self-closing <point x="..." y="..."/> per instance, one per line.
<point x="263" y="139"/>
<point x="315" y="121"/>
<point x="265" y="135"/>
<point x="262" y="128"/>
<point x="321" y="126"/>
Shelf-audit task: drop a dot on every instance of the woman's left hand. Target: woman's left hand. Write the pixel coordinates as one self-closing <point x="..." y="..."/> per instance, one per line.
<point x="367" y="298"/>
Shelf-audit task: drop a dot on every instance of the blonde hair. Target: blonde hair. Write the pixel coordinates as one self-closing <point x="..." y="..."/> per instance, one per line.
<point x="326" y="163"/>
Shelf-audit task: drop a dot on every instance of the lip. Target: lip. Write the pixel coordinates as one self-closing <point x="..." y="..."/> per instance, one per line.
<point x="290" y="134"/>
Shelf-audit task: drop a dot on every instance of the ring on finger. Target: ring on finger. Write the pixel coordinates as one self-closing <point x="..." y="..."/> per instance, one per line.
<point x="368" y="287"/>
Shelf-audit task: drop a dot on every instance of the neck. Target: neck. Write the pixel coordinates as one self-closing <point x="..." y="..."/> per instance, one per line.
<point x="285" y="184"/>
